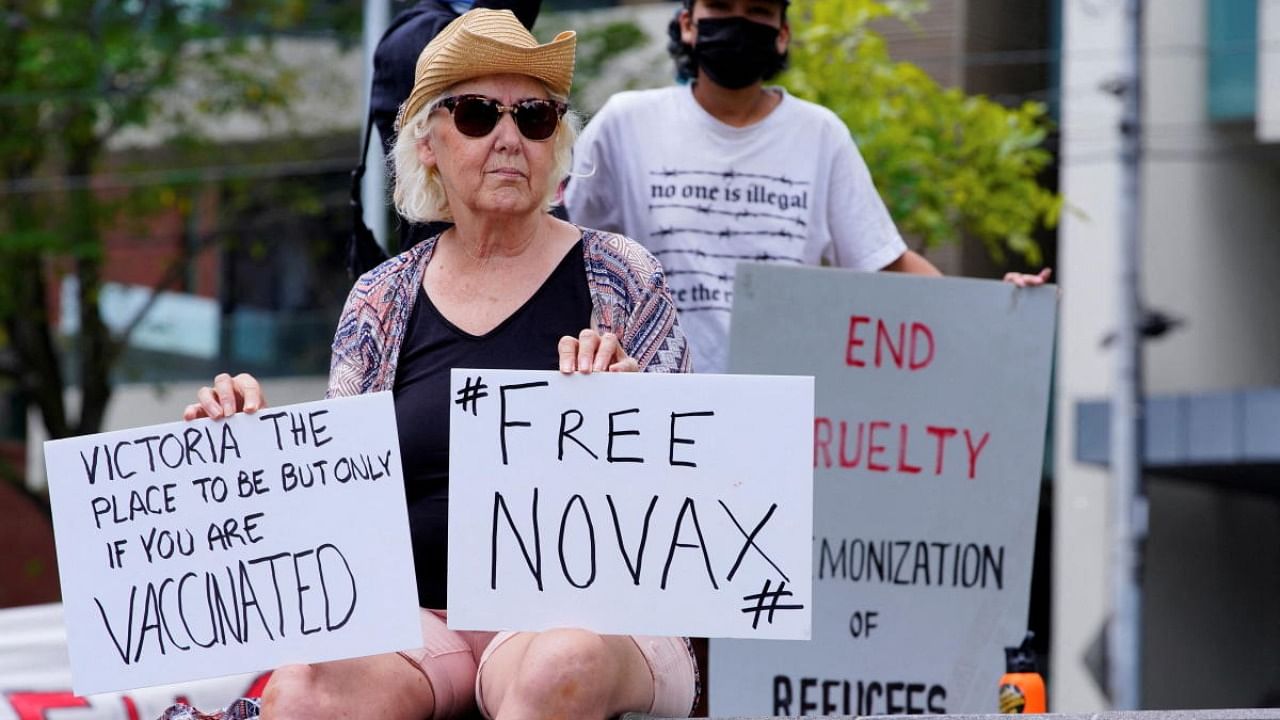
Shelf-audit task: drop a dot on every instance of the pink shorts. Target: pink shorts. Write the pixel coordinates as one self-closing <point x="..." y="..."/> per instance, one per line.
<point x="453" y="660"/>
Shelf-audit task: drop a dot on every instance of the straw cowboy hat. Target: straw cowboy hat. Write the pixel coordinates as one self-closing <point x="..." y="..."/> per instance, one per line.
<point x="488" y="42"/>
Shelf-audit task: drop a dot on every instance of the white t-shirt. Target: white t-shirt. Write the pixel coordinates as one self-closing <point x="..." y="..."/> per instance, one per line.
<point x="702" y="196"/>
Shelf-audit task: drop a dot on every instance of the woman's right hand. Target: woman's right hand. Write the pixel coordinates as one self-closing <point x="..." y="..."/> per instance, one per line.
<point x="591" y="351"/>
<point x="228" y="396"/>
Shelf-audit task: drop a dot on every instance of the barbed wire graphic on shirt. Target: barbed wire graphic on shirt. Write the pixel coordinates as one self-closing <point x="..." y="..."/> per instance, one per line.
<point x="761" y="256"/>
<point x="706" y="308"/>
<point x="727" y="233"/>
<point x="704" y="273"/>
<point x="737" y="214"/>
<point x="729" y="175"/>
<point x="764" y="216"/>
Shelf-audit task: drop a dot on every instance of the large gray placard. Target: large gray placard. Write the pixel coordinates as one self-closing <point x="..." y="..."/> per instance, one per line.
<point x="931" y="401"/>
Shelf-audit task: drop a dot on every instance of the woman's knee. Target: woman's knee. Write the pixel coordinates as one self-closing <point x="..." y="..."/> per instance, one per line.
<point x="382" y="686"/>
<point x="566" y="668"/>
<point x="297" y="691"/>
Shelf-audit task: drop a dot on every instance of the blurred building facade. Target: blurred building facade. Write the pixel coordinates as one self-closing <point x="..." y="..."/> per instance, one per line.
<point x="1210" y="184"/>
<point x="264" y="220"/>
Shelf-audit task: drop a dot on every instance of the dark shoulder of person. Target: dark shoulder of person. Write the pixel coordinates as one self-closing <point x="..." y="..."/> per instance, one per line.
<point x="396" y="57"/>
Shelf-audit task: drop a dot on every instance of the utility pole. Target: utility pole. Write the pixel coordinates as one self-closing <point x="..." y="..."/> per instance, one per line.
<point x="373" y="188"/>
<point x="1129" y="504"/>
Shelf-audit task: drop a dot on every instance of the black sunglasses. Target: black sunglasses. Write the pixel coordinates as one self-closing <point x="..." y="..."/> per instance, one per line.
<point x="477" y="115"/>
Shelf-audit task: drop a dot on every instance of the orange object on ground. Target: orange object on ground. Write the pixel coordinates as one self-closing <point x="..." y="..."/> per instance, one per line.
<point x="1021" y="687"/>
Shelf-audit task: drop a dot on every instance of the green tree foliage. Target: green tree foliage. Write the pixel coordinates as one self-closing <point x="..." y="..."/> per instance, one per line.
<point x="597" y="45"/>
<point x="74" y="76"/>
<point x="945" y="162"/>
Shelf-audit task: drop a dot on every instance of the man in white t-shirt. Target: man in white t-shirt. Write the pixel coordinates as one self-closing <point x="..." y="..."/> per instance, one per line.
<point x="728" y="170"/>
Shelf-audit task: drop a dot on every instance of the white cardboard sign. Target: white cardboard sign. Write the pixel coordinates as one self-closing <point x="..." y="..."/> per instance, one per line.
<point x="927" y="445"/>
<point x="631" y="503"/>
<point x="209" y="548"/>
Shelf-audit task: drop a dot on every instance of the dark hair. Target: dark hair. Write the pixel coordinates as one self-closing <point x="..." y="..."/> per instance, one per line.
<point x="681" y="52"/>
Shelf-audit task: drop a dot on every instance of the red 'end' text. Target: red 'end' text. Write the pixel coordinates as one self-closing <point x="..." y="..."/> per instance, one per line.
<point x="874" y="342"/>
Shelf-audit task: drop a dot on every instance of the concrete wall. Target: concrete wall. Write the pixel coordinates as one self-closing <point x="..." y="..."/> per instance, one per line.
<point x="1210" y="219"/>
<point x="1269" y="70"/>
<point x="1209" y="215"/>
<point x="1086" y="249"/>
<point x="1210" y="212"/>
<point x="1213" y="628"/>
<point x="934" y="40"/>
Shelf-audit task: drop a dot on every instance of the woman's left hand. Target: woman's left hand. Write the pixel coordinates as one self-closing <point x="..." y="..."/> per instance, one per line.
<point x="1025" y="280"/>
<point x="592" y="352"/>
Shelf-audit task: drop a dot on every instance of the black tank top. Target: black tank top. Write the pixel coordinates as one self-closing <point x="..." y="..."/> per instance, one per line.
<point x="432" y="346"/>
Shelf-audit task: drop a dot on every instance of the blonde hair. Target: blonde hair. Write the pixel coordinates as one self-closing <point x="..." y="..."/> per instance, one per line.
<point x="418" y="192"/>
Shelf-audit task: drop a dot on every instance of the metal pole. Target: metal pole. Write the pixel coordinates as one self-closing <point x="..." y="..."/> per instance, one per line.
<point x="1129" y="508"/>
<point x="373" y="188"/>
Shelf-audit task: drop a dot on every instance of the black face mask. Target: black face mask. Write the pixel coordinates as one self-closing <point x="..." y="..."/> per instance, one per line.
<point x="735" y="52"/>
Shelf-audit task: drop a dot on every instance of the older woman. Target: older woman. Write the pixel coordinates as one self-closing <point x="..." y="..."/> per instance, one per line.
<point x="482" y="141"/>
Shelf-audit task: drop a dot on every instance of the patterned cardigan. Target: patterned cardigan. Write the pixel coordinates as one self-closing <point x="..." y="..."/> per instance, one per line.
<point x="628" y="297"/>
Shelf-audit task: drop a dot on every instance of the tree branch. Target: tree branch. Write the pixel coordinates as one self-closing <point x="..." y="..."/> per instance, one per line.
<point x="133" y="91"/>
<point x="39" y="370"/>
<point x="172" y="273"/>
